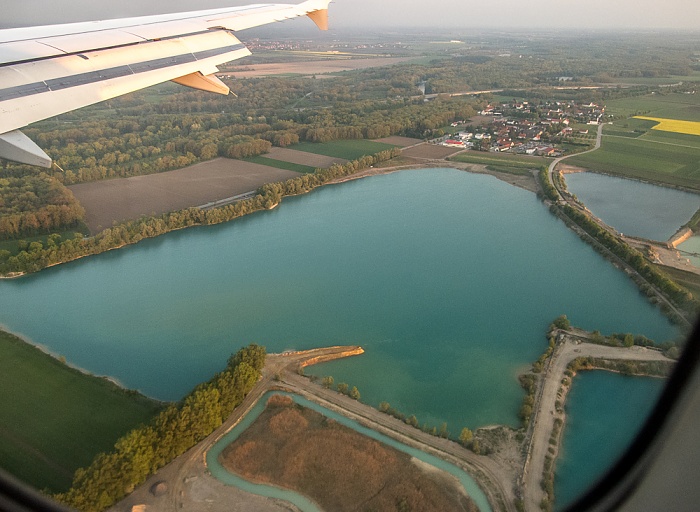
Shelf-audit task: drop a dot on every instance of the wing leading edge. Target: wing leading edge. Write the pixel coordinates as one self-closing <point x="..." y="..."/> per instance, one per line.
<point x="46" y="71"/>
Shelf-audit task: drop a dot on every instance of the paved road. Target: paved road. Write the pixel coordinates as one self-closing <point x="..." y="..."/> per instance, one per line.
<point x="545" y="412"/>
<point x="552" y="166"/>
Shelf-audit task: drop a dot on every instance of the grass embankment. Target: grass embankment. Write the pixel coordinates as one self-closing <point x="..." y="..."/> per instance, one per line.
<point x="512" y="164"/>
<point x="55" y="419"/>
<point x="687" y="280"/>
<point x="338" y="468"/>
<point x="346" y="149"/>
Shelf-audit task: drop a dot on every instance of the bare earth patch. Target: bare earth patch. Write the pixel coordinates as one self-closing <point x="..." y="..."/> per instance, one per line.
<point x="430" y="151"/>
<point x="397" y="140"/>
<point x="338" y="468"/>
<point x="303" y="158"/>
<point x="310" y="67"/>
<point x="118" y="200"/>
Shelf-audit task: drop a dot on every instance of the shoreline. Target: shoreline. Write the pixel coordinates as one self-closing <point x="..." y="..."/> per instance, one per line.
<point x="511" y="179"/>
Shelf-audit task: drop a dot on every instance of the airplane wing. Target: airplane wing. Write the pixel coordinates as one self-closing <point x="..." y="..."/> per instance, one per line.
<point x="46" y="71"/>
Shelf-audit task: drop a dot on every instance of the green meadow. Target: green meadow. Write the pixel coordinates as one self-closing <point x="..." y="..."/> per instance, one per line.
<point x="346" y="149"/>
<point x="513" y="164"/>
<point x="280" y="164"/>
<point x="55" y="419"/>
<point x="685" y="107"/>
<point x="666" y="162"/>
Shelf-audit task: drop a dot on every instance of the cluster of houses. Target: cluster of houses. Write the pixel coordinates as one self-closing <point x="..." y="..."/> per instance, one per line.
<point x="521" y="127"/>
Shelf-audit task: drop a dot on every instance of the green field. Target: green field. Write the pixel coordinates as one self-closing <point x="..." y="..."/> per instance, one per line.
<point x="279" y="164"/>
<point x="631" y="127"/>
<point x="685" y="107"/>
<point x="513" y="164"/>
<point x="347" y="149"/>
<point x="647" y="159"/>
<point x="13" y="245"/>
<point x="54" y="419"/>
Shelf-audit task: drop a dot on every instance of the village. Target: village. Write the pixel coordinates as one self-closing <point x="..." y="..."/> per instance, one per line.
<point x="521" y="127"/>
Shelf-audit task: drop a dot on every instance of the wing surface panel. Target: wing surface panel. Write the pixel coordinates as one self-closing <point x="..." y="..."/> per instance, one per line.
<point x="46" y="71"/>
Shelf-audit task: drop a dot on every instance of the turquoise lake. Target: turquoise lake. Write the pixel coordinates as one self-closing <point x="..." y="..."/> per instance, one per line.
<point x="447" y="279"/>
<point x="633" y="207"/>
<point x="597" y="400"/>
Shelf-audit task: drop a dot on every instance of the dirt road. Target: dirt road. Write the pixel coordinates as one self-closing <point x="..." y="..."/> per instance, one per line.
<point x="190" y="487"/>
<point x="545" y="412"/>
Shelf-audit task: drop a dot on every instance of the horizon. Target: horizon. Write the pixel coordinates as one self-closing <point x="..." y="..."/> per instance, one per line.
<point x="547" y="15"/>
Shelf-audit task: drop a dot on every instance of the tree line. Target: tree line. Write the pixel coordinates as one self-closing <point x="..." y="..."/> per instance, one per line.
<point x="37" y="256"/>
<point x="144" y="450"/>
<point x="679" y="295"/>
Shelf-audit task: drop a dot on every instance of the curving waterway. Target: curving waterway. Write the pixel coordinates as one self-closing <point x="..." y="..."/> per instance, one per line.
<point x="633" y="207"/>
<point x="447" y="279"/>
<point x="222" y="474"/>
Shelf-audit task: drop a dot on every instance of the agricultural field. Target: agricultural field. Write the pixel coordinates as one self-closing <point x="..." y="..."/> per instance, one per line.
<point x="55" y="419"/>
<point x="645" y="159"/>
<point x="346" y="149"/>
<point x="109" y="201"/>
<point x="281" y="164"/>
<point x="312" y="160"/>
<point x="660" y="144"/>
<point x="684" y="107"/>
<point x="673" y="125"/>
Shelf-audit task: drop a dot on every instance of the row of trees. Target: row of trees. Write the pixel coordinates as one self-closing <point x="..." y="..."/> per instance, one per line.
<point x="144" y="450"/>
<point x="466" y="436"/>
<point x="343" y="388"/>
<point x="679" y="295"/>
<point x="37" y="257"/>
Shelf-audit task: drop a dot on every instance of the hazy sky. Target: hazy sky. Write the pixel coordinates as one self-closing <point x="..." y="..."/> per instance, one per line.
<point x="647" y="14"/>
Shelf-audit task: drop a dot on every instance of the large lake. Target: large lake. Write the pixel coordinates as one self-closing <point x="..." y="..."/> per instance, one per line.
<point x="447" y="279"/>
<point x="633" y="207"/>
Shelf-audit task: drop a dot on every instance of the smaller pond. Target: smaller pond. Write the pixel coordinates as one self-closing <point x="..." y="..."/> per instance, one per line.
<point x="220" y="473"/>
<point x="593" y="436"/>
<point x="691" y="250"/>
<point x="633" y="207"/>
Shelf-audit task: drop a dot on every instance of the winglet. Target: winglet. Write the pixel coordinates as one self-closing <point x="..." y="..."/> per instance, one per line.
<point x="17" y="147"/>
<point x="320" y="18"/>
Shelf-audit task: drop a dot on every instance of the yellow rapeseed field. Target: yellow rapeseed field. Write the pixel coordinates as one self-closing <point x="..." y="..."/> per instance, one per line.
<point x="674" y="125"/>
